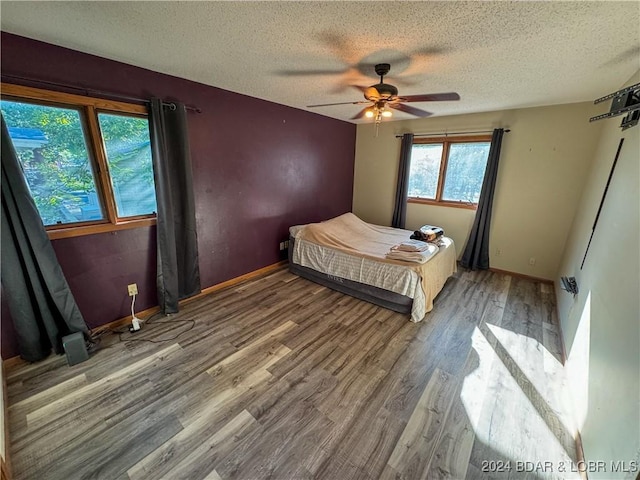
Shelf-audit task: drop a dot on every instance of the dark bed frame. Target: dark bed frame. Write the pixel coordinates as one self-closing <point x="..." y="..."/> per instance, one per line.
<point x="378" y="296"/>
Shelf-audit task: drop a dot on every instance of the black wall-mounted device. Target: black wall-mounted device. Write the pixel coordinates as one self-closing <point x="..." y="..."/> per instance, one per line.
<point x="623" y="101"/>
<point x="630" y="120"/>
<point x="569" y="284"/>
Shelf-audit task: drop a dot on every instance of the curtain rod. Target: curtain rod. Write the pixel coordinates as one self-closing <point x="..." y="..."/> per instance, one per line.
<point x="100" y="93"/>
<point x="446" y="134"/>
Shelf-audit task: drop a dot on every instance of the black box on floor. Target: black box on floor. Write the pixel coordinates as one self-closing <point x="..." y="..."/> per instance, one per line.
<point x="75" y="348"/>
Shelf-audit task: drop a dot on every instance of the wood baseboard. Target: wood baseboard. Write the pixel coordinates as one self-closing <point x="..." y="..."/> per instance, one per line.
<point x="242" y="278"/>
<point x="522" y="275"/>
<point x="4" y="470"/>
<point x="5" y="458"/>
<point x="11" y="362"/>
<point x="582" y="463"/>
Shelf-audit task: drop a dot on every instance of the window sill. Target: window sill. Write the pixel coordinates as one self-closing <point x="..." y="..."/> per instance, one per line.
<point x="427" y="201"/>
<point x="78" y="231"/>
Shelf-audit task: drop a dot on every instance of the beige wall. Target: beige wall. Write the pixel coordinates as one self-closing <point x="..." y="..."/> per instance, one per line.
<point x="601" y="324"/>
<point x="543" y="166"/>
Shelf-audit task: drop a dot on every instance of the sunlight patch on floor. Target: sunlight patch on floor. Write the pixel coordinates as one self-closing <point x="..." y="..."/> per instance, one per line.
<point x="475" y="384"/>
<point x="540" y="367"/>
<point x="503" y="410"/>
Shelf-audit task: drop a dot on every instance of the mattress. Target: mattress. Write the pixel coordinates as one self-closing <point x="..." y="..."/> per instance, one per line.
<point x="384" y="298"/>
<point x="339" y="262"/>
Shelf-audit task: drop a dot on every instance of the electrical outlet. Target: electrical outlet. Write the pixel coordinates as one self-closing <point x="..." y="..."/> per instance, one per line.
<point x="281" y="246"/>
<point x="532" y="261"/>
<point x="133" y="289"/>
<point x="498" y="252"/>
<point x="286" y="244"/>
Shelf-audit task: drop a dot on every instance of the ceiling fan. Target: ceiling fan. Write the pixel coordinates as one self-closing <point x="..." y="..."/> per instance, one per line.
<point x="382" y="97"/>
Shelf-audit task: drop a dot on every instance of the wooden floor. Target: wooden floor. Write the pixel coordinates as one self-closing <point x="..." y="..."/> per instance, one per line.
<point x="282" y="378"/>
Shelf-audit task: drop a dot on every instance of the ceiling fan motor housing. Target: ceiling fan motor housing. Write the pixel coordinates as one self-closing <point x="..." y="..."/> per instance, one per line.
<point x="382" y="69"/>
<point x="385" y="90"/>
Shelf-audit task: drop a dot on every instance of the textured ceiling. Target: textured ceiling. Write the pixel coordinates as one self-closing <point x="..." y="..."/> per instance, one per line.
<point x="496" y="55"/>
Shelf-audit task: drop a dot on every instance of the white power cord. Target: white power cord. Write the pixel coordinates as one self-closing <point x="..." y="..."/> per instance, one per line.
<point x="135" y="321"/>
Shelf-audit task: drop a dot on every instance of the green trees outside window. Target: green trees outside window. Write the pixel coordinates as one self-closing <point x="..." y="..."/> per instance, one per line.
<point x="128" y="148"/>
<point x="54" y="155"/>
<point x="58" y="155"/>
<point x="465" y="171"/>
<point x="425" y="168"/>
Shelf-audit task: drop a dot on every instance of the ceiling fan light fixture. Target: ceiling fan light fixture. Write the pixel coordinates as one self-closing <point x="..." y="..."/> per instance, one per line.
<point x="369" y="113"/>
<point x="387" y="113"/>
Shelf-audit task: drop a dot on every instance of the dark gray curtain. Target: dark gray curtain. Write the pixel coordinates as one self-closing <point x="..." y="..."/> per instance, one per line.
<point x="402" y="188"/>
<point x="42" y="306"/>
<point x="178" y="274"/>
<point x="476" y="253"/>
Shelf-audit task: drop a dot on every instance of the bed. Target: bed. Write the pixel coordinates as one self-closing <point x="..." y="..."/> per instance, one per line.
<point x="348" y="255"/>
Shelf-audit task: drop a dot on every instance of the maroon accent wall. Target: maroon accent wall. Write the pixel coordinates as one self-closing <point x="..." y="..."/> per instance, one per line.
<point x="258" y="168"/>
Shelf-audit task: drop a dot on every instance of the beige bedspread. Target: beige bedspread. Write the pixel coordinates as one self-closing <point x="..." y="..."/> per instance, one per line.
<point x="351" y="235"/>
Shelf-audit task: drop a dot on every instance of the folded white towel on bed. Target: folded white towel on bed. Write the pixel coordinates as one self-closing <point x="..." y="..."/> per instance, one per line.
<point x="415" y="257"/>
<point x="411" y="246"/>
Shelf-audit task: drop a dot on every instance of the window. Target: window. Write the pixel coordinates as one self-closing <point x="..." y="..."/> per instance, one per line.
<point x="448" y="171"/>
<point x="87" y="161"/>
<point x="128" y="150"/>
